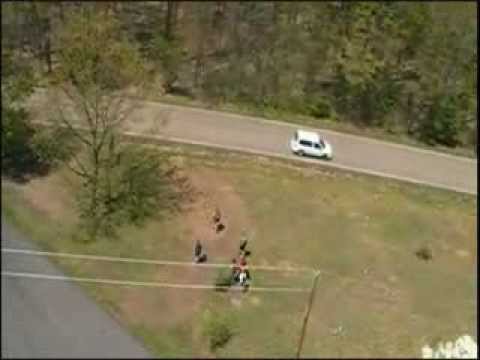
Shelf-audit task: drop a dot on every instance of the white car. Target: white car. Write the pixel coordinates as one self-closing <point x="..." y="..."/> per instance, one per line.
<point x="309" y="143"/>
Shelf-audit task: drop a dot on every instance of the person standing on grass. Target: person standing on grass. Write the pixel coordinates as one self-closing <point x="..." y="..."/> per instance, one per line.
<point x="197" y="251"/>
<point x="244" y="269"/>
<point x="243" y="260"/>
<point x="247" y="273"/>
<point x="243" y="277"/>
<point x="243" y="244"/>
<point x="235" y="270"/>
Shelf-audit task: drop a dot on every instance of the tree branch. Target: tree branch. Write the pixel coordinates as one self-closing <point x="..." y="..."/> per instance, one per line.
<point x="71" y="128"/>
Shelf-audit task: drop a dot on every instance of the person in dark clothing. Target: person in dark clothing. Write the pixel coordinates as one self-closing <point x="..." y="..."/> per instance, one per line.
<point x="243" y="244"/>
<point x="217" y="215"/>
<point x="197" y="252"/>
<point x="202" y="258"/>
<point x="235" y="271"/>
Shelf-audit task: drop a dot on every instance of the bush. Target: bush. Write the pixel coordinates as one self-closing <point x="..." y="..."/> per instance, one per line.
<point x="20" y="156"/>
<point x="224" y="278"/>
<point x="132" y="187"/>
<point x="320" y="109"/>
<point x="17" y="153"/>
<point x="168" y="53"/>
<point x="146" y="188"/>
<point x="424" y="253"/>
<point x="441" y="124"/>
<point x="217" y="328"/>
<point x="53" y="152"/>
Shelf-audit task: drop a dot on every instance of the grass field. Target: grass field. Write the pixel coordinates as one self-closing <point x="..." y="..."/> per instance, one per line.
<point x="375" y="297"/>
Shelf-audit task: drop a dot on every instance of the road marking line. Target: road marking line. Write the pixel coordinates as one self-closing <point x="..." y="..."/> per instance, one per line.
<point x="147" y="261"/>
<point x="296" y="158"/>
<point x="145" y="284"/>
<point x="167" y="263"/>
<point x="288" y="157"/>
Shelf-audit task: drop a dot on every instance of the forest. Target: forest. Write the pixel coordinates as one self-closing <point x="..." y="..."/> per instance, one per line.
<point x="404" y="67"/>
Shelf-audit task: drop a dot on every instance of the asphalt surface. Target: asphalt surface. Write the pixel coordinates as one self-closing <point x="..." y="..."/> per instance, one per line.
<point x="231" y="131"/>
<point x="54" y="319"/>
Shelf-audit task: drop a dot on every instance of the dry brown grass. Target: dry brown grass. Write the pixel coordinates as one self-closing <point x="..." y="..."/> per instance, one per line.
<point x="375" y="299"/>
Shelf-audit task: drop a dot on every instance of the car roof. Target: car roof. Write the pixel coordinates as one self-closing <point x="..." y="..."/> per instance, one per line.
<point x="308" y="135"/>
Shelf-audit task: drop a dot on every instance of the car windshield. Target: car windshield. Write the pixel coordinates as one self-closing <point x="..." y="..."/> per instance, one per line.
<point x="306" y="143"/>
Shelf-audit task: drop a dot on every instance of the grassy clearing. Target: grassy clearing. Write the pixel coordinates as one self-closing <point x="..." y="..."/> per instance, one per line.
<point x="376" y="297"/>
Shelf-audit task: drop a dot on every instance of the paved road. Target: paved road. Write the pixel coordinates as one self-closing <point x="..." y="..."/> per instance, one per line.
<point x="271" y="138"/>
<point x="44" y="318"/>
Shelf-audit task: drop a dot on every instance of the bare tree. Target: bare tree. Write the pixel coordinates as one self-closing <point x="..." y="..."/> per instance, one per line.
<point x="92" y="87"/>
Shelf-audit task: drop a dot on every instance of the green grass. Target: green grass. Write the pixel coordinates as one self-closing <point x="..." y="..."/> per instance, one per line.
<point x="344" y="224"/>
<point x="173" y="343"/>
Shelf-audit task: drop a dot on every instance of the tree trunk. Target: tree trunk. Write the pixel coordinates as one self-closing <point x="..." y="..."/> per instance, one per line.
<point x="198" y="65"/>
<point x="475" y="138"/>
<point x="170" y="21"/>
<point x="35" y="32"/>
<point x="276" y="6"/>
<point x="219" y="15"/>
<point x="176" y="5"/>
<point x="61" y="11"/>
<point x="260" y="91"/>
<point x="410" y="114"/>
<point x="293" y="13"/>
<point x="273" y="49"/>
<point x="94" y="198"/>
<point x="48" y="47"/>
<point x="309" y="86"/>
<point x="108" y="175"/>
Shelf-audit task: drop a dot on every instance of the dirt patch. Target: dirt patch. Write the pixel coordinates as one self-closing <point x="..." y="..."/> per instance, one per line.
<point x="49" y="195"/>
<point x="236" y="301"/>
<point x="462" y="253"/>
<point x="206" y="194"/>
<point x="379" y="295"/>
<point x="255" y="300"/>
<point x="141" y="306"/>
<point x="163" y="308"/>
<point x="211" y="197"/>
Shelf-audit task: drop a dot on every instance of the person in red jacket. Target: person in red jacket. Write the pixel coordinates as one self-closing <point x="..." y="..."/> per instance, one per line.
<point x="243" y="259"/>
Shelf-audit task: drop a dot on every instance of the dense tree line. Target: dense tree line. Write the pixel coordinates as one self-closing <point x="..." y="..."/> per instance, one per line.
<point x="408" y="67"/>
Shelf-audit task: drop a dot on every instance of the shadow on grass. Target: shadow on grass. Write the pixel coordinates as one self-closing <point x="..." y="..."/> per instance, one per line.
<point x="23" y="166"/>
<point x="29" y="152"/>
<point x="223" y="280"/>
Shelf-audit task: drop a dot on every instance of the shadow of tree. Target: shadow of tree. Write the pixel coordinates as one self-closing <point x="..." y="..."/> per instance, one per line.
<point x="24" y="167"/>
<point x="20" y="159"/>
